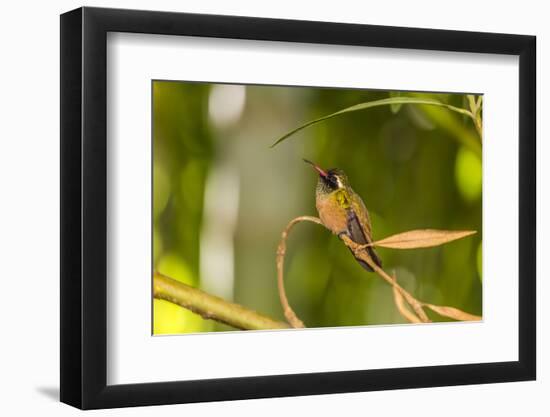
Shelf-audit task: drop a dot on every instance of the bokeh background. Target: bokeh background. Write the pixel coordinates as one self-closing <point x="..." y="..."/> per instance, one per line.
<point x="222" y="197"/>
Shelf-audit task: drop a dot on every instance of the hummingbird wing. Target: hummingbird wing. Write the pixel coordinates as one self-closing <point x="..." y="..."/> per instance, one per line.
<point x="359" y="228"/>
<point x="355" y="229"/>
<point x="362" y="214"/>
<point x="357" y="234"/>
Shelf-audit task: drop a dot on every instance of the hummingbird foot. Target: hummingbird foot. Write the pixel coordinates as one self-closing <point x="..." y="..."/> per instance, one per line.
<point x="343" y="233"/>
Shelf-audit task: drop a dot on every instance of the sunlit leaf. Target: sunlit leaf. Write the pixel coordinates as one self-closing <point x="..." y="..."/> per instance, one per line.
<point x="169" y="318"/>
<point x="173" y="265"/>
<point x="422" y="238"/>
<point x="376" y="103"/>
<point x="453" y="313"/>
<point x="468" y="175"/>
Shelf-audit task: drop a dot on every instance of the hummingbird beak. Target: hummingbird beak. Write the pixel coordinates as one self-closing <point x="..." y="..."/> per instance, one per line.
<point x="321" y="172"/>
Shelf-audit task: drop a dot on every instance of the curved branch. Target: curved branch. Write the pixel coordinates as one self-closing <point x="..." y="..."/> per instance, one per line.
<point x="235" y="315"/>
<point x="211" y="307"/>
<point x="418" y="315"/>
<point x="281" y="251"/>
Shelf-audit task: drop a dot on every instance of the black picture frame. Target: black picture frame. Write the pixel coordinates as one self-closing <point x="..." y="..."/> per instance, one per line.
<point x="84" y="207"/>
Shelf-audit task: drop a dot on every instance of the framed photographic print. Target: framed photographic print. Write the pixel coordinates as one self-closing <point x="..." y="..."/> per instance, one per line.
<point x="257" y="208"/>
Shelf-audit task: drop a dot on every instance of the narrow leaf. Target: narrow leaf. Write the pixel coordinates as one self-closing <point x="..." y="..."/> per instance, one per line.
<point x="367" y="105"/>
<point x="422" y="238"/>
<point x="453" y="313"/>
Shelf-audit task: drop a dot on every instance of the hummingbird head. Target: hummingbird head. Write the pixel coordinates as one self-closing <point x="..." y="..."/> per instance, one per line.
<point x="330" y="180"/>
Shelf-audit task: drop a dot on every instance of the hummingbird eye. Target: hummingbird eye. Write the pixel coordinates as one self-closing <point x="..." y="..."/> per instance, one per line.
<point x="333" y="181"/>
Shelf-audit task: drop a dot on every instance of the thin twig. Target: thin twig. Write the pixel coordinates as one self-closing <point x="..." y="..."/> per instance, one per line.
<point x="400" y="304"/>
<point x="281" y="251"/>
<point x="211" y="307"/>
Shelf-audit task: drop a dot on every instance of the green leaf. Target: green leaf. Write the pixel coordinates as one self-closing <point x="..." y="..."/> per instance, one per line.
<point x="468" y="175"/>
<point x="370" y="104"/>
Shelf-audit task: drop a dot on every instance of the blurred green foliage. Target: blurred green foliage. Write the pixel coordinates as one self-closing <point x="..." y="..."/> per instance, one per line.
<point x="222" y="198"/>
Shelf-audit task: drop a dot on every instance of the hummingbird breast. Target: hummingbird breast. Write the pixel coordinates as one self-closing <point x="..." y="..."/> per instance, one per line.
<point x="332" y="214"/>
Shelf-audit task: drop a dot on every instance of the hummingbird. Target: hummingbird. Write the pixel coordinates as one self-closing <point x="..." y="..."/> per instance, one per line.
<point x="342" y="210"/>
